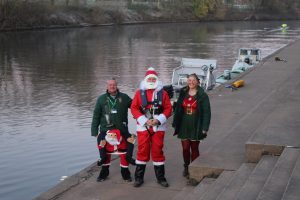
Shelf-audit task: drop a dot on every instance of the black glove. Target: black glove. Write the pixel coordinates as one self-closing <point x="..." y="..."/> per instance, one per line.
<point x="176" y="132"/>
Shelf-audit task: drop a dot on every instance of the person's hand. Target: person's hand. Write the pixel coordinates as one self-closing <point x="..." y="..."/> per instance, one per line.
<point x="204" y="133"/>
<point x="102" y="143"/>
<point x="131" y="139"/>
<point x="155" y="122"/>
<point x="149" y="122"/>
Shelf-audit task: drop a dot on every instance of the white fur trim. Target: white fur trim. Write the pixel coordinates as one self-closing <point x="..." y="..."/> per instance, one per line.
<point x="142" y="120"/>
<point x="162" y="127"/>
<point x="159" y="85"/>
<point x="161" y="118"/>
<point x="158" y="163"/>
<point x="124" y="166"/>
<point x="117" y="153"/>
<point x="138" y="162"/>
<point x="108" y="164"/>
<point x="151" y="75"/>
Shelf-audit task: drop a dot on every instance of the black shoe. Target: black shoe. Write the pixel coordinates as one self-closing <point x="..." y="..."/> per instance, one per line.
<point x="163" y="183"/>
<point x="138" y="182"/>
<point x="185" y="172"/>
<point x="128" y="180"/>
<point x="103" y="174"/>
<point x="160" y="175"/>
<point x="101" y="179"/>
<point x="139" y="175"/>
<point x="126" y="174"/>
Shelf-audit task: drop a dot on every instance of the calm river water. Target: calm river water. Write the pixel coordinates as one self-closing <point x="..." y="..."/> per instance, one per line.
<point x="50" y="79"/>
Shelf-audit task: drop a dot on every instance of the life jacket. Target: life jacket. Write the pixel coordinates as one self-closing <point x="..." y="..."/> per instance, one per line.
<point x="157" y="103"/>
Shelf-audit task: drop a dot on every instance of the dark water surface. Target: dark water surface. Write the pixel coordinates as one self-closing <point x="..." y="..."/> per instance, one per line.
<point x="50" y="79"/>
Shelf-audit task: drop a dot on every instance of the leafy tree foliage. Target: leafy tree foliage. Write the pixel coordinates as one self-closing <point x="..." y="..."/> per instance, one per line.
<point x="203" y="7"/>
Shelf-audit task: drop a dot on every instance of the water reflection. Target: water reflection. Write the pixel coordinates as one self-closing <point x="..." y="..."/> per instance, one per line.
<point x="50" y="79"/>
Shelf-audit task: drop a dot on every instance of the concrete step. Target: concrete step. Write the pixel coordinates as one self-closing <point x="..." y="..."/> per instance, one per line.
<point x="292" y="190"/>
<point x="275" y="186"/>
<point x="186" y="191"/>
<point x="191" y="192"/>
<point x="241" y="175"/>
<point x="200" y="189"/>
<point x="257" y="178"/>
<point x="217" y="187"/>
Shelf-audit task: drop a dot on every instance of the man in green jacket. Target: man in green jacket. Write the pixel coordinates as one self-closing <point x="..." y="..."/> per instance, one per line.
<point x="111" y="112"/>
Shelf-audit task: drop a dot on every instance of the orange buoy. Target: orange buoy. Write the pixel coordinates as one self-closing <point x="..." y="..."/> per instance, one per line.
<point x="238" y="83"/>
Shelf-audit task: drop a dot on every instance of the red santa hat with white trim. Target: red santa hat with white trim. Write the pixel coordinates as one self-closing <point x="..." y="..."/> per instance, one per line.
<point x="151" y="73"/>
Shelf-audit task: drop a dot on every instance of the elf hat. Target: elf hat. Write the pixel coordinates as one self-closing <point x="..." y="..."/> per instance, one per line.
<point x="151" y="73"/>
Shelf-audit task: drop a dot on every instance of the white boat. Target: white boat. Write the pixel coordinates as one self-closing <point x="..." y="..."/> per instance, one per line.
<point x="203" y="68"/>
<point x="247" y="58"/>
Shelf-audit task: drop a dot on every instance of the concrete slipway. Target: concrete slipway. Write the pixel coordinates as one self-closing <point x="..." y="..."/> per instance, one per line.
<point x="252" y="150"/>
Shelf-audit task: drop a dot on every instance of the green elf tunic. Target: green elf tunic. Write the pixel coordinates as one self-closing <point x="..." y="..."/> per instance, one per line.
<point x="192" y="115"/>
<point x="187" y="130"/>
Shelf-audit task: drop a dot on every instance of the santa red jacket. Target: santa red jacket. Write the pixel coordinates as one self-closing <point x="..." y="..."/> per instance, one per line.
<point x="151" y="94"/>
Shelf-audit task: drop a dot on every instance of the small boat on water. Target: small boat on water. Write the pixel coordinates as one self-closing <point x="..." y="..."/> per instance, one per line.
<point x="204" y="69"/>
<point x="247" y="58"/>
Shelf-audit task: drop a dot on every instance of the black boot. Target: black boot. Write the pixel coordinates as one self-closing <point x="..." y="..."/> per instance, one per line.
<point x="126" y="174"/>
<point x="186" y="171"/>
<point x="139" y="175"/>
<point x="129" y="153"/>
<point x="160" y="175"/>
<point x="103" y="173"/>
<point x="103" y="157"/>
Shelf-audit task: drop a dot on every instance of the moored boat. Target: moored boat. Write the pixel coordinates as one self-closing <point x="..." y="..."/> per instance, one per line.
<point x="203" y="68"/>
<point x="247" y="58"/>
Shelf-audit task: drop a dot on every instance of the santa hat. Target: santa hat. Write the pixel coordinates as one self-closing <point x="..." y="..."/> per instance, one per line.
<point x="151" y="73"/>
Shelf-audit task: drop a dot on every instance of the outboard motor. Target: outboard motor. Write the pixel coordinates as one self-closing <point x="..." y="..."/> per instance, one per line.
<point x="170" y="90"/>
<point x="247" y="60"/>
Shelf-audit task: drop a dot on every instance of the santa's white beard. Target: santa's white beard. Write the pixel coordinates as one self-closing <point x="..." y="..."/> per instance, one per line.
<point x="112" y="141"/>
<point x="151" y="85"/>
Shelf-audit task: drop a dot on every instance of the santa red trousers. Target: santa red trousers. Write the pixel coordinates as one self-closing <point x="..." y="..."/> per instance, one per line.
<point x="123" y="161"/>
<point x="150" y="143"/>
<point x="109" y="148"/>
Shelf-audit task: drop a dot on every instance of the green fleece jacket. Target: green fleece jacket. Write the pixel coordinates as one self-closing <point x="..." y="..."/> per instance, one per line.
<point x="116" y="108"/>
<point x="204" y="113"/>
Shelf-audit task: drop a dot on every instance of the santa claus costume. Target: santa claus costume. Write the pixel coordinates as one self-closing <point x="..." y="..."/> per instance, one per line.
<point x="115" y="144"/>
<point x="151" y="107"/>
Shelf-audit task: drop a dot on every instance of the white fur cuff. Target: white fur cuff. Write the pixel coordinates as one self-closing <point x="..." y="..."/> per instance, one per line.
<point x="161" y="118"/>
<point x="158" y="163"/>
<point x="142" y="120"/>
<point x="138" y="162"/>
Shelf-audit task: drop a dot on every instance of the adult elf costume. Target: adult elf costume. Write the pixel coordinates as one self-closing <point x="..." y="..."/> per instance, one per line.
<point x="191" y="121"/>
